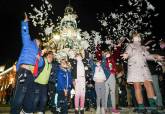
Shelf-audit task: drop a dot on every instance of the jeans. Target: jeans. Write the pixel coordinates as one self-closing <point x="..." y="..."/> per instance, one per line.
<point x="159" y="101"/>
<point x="100" y="92"/>
<point x="51" y="97"/>
<point x="110" y="87"/>
<point x="43" y="97"/>
<point x="23" y="85"/>
<point x="90" y="97"/>
<point x="36" y="98"/>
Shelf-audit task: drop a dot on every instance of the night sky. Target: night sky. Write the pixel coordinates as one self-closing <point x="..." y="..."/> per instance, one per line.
<point x="11" y="14"/>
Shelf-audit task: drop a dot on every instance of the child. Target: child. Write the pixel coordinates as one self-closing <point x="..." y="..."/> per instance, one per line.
<point x="99" y="78"/>
<point x="64" y="83"/>
<point x="109" y="59"/>
<point x="41" y="82"/>
<point x="79" y="71"/>
<point x="138" y="72"/>
<point x="27" y="66"/>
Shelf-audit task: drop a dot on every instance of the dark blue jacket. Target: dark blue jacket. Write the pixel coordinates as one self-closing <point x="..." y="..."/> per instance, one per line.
<point x="29" y="50"/>
<point x="64" y="79"/>
<point x="106" y="70"/>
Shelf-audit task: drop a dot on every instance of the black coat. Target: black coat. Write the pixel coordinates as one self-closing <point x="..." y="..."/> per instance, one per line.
<point x="73" y="63"/>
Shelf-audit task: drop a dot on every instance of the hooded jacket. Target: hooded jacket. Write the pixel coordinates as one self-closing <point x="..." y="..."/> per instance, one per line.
<point x="29" y="50"/>
<point x="64" y="79"/>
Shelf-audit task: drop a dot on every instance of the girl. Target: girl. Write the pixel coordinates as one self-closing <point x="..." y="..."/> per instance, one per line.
<point x="99" y="78"/>
<point x="109" y="61"/>
<point x="138" y="72"/>
<point x="79" y="71"/>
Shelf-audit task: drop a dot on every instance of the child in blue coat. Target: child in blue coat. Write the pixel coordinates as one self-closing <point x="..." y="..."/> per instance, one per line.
<point x="64" y="85"/>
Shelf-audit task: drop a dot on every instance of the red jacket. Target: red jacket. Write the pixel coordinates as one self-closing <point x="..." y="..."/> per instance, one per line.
<point x="111" y="61"/>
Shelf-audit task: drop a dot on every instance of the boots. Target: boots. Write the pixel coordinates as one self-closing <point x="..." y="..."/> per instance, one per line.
<point x="142" y="111"/>
<point x="98" y="110"/>
<point x="82" y="111"/>
<point x="76" y="112"/>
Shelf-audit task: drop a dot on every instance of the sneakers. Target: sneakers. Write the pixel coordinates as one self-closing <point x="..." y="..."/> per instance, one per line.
<point x="40" y="113"/>
<point x="114" y="110"/>
<point x="98" y="110"/>
<point x="23" y="112"/>
<point x="102" y="110"/>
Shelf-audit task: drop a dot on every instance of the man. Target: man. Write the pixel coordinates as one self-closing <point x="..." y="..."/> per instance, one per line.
<point x="29" y="61"/>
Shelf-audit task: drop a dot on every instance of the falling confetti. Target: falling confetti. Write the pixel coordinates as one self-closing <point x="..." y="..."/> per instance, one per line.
<point x="41" y="16"/>
<point x="136" y="15"/>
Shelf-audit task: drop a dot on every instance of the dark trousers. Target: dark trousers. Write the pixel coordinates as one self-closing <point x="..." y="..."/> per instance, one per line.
<point x="43" y="96"/>
<point x="23" y="85"/>
<point x="31" y="99"/>
<point x="90" y="98"/>
<point x="123" y="96"/>
<point x="36" y="98"/>
<point x="62" y="103"/>
<point x="51" y="91"/>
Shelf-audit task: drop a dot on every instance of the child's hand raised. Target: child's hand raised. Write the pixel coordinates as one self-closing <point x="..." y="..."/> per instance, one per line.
<point x="26" y="17"/>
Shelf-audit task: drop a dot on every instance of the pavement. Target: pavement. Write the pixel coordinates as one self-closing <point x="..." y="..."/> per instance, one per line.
<point x="6" y="109"/>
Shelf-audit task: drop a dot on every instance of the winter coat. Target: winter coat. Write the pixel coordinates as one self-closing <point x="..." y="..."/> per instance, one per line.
<point x="138" y="70"/>
<point x="103" y="65"/>
<point x="111" y="61"/>
<point x="106" y="69"/>
<point x="64" y="79"/>
<point x="29" y="50"/>
<point x="44" y="75"/>
<point x="74" y="67"/>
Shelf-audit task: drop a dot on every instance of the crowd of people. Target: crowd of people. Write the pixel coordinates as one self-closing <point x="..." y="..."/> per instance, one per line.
<point x="85" y="82"/>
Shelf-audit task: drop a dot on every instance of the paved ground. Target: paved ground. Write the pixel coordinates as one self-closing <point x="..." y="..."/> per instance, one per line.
<point x="5" y="110"/>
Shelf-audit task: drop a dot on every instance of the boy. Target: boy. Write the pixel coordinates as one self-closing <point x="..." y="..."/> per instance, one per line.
<point x="64" y="85"/>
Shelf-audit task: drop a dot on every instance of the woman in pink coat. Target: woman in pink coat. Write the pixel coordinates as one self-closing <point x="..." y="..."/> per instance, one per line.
<point x="138" y="72"/>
